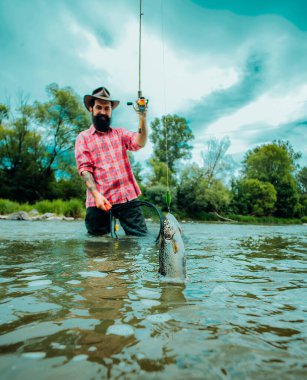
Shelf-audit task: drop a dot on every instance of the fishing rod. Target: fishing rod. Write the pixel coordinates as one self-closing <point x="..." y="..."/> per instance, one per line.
<point x="137" y="203"/>
<point x="168" y="196"/>
<point x="142" y="101"/>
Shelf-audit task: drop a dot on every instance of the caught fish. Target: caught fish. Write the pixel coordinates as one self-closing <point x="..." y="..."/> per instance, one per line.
<point x="172" y="257"/>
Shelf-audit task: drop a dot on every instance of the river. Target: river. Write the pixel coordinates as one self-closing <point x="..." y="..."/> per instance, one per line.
<point x="81" y="307"/>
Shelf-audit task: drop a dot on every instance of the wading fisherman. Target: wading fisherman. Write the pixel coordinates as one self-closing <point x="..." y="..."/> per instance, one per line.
<point x="102" y="159"/>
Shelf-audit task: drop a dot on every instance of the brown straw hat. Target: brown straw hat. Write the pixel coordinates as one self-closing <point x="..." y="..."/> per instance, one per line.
<point x="100" y="93"/>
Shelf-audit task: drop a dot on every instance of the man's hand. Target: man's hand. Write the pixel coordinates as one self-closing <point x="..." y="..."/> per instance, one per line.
<point x="102" y="202"/>
<point x="141" y="109"/>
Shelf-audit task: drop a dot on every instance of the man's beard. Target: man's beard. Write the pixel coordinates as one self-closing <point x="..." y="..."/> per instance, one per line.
<point x="101" y="122"/>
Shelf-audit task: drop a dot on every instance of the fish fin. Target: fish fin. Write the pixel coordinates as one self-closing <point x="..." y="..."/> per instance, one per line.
<point x="175" y="246"/>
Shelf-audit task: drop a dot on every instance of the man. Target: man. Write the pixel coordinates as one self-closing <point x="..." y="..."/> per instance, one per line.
<point x="102" y="161"/>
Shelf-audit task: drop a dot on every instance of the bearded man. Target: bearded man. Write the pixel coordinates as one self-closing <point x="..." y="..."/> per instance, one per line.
<point x="102" y="159"/>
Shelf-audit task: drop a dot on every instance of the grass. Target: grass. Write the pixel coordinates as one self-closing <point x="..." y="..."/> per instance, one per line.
<point x="73" y="208"/>
<point x="264" y="219"/>
<point x="76" y="209"/>
<point x="248" y="219"/>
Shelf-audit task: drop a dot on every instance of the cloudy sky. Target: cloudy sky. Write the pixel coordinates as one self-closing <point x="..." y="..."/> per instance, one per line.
<point x="232" y="68"/>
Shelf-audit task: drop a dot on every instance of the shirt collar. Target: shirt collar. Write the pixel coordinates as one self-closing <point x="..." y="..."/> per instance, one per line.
<point x="94" y="130"/>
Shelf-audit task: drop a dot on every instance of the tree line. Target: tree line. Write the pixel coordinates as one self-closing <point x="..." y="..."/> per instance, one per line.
<point x="37" y="162"/>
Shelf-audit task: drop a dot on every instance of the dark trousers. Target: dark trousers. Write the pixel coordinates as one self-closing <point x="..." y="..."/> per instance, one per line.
<point x="131" y="219"/>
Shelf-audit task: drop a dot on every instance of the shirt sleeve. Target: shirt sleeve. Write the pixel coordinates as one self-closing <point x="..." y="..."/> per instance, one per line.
<point x="83" y="156"/>
<point x="129" y="140"/>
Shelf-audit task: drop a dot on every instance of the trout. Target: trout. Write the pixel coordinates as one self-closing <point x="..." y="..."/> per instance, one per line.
<point x="172" y="256"/>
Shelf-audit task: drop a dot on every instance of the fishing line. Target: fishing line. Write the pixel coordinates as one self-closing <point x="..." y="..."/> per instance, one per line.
<point x="137" y="203"/>
<point x="140" y="49"/>
<point x="164" y="118"/>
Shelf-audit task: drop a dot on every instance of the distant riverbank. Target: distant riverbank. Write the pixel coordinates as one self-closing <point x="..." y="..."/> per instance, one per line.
<point x="75" y="209"/>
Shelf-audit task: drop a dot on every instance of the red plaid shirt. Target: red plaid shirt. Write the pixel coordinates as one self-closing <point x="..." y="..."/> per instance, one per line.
<point x="104" y="154"/>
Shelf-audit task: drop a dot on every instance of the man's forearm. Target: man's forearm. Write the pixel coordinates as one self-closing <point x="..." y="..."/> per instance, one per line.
<point x="100" y="200"/>
<point x="143" y="132"/>
<point x="90" y="182"/>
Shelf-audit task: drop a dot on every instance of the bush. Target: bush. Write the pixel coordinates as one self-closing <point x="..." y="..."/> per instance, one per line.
<point x="57" y="206"/>
<point x="263" y="220"/>
<point x="156" y="194"/>
<point x="74" y="208"/>
<point x="7" y="207"/>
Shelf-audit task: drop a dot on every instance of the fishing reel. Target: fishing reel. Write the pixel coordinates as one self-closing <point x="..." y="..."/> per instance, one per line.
<point x="141" y="104"/>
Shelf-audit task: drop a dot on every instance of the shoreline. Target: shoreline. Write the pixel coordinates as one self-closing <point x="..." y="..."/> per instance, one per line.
<point x="35" y="216"/>
<point x="25" y="216"/>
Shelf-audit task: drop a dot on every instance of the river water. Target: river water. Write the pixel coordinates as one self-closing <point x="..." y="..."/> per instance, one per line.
<point x="81" y="307"/>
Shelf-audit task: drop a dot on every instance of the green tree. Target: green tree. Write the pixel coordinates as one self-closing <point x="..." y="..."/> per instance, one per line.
<point x="62" y="118"/>
<point x="275" y="163"/>
<point x="196" y="194"/>
<point x="160" y="174"/>
<point x="302" y="180"/>
<point x="216" y="162"/>
<point x="179" y="136"/>
<point x="36" y="145"/>
<point x="4" y="113"/>
<point x="21" y="156"/>
<point x="302" y="186"/>
<point x="253" y="197"/>
<point x="137" y="170"/>
<point x="287" y="204"/>
<point x="156" y="195"/>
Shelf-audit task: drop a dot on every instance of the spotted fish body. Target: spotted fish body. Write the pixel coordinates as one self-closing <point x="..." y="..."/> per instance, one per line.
<point x="172" y="256"/>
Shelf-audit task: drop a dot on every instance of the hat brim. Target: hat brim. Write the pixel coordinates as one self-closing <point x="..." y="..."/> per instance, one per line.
<point x="87" y="100"/>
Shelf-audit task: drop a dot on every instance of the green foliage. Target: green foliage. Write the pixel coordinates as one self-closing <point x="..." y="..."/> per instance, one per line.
<point x="136" y="168"/>
<point x="294" y="156"/>
<point x="196" y="193"/>
<point x="303" y="204"/>
<point x="74" y="208"/>
<point x="8" y="207"/>
<point x="159" y="173"/>
<point x="216" y="163"/>
<point x="55" y="206"/>
<point x="275" y="163"/>
<point x="287" y="198"/>
<point x="302" y="180"/>
<point x="31" y="156"/>
<point x="156" y="194"/>
<point x="263" y="220"/>
<point x="268" y="163"/>
<point x="70" y="187"/>
<point x="252" y="196"/>
<point x="4" y="112"/>
<point x="179" y="135"/>
<point x="63" y="117"/>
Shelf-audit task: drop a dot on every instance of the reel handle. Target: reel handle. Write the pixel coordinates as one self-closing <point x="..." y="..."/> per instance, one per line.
<point x="141" y="103"/>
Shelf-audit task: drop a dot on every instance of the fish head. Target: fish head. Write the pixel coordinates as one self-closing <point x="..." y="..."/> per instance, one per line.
<point x="170" y="227"/>
<point x="172" y="252"/>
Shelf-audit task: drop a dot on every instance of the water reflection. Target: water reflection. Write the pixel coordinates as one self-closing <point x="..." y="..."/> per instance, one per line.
<point x="276" y="247"/>
<point x="107" y="298"/>
<point x="67" y="299"/>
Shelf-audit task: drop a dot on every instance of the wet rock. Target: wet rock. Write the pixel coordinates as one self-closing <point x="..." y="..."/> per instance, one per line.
<point x="36" y="218"/>
<point x="3" y="217"/>
<point x="55" y="218"/>
<point x="19" y="215"/>
<point x="47" y="215"/>
<point x="68" y="218"/>
<point x="33" y="212"/>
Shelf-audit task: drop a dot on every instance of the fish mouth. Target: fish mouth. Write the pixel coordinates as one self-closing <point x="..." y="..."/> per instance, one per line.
<point x="169" y="236"/>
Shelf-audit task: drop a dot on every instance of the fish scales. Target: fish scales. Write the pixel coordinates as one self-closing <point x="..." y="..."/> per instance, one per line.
<point x="172" y="256"/>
